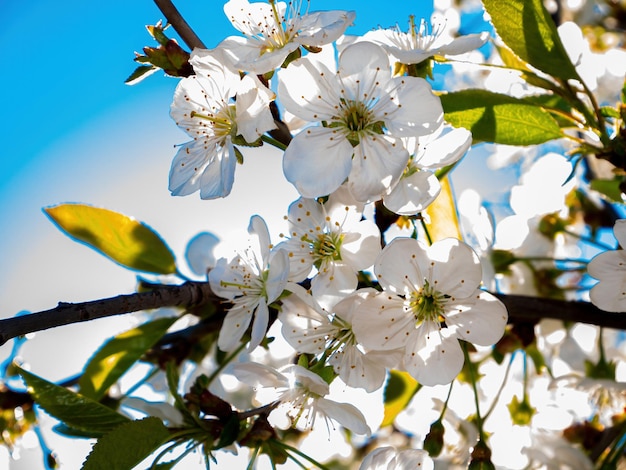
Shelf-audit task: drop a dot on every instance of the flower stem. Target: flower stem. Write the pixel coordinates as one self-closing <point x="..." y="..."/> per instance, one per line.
<point x="225" y="362"/>
<point x="274" y="142"/>
<point x="472" y="377"/>
<point x="300" y="454"/>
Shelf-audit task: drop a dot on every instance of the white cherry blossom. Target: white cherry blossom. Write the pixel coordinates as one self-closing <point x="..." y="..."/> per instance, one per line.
<point x="430" y="300"/>
<point x="609" y="267"/>
<point x="204" y="107"/>
<point x="303" y="393"/>
<point x="251" y="281"/>
<point x="418" y="186"/>
<point x="389" y="458"/>
<point x="333" y="238"/>
<point x="276" y="29"/>
<point x="360" y="112"/>
<point x="423" y="41"/>
<point x="310" y="329"/>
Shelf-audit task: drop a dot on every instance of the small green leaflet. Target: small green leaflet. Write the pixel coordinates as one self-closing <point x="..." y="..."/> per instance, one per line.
<point x="113" y="359"/>
<point x="526" y="27"/>
<point x="75" y="410"/>
<point x="498" y="118"/>
<point x="121" y="238"/>
<point x="127" y="445"/>
<point x="609" y="188"/>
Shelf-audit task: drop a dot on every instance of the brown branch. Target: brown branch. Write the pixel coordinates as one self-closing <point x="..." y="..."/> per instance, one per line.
<point x="190" y="294"/>
<point x="173" y="17"/>
<point x="185" y="295"/>
<point x="524" y="309"/>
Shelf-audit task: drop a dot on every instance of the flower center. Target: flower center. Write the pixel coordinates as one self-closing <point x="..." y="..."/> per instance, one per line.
<point x="327" y="247"/>
<point x="427" y="304"/>
<point x="224" y="122"/>
<point x="356" y="118"/>
<point x="279" y="32"/>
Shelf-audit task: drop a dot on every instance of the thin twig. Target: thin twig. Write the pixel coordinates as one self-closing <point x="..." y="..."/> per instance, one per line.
<point x="173" y="17"/>
<point x="185" y="295"/>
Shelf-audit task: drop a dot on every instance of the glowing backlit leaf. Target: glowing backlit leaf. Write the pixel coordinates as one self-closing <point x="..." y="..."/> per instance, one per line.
<point x="123" y="239"/>
<point x="113" y="359"/>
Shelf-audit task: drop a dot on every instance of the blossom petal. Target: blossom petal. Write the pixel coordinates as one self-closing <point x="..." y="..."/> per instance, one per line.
<point x="433" y="357"/>
<point x="479" y="319"/>
<point x="610" y="293"/>
<point x="316" y="162"/>
<point x="259" y="326"/>
<point x="362" y="67"/>
<point x="414" y="120"/>
<point x="255" y="375"/>
<point x="277" y="276"/>
<point x="357" y="369"/>
<point x="253" y="114"/>
<point x="383" y="323"/>
<point x="463" y="44"/>
<point x="199" y="253"/>
<point x="455" y="268"/>
<point x="619" y="229"/>
<point x="402" y="266"/>
<point x="235" y="324"/>
<point x="245" y="54"/>
<point x="323" y="27"/>
<point x="360" y="252"/>
<point x="257" y="228"/>
<point x="413" y="194"/>
<point x="377" y="164"/>
<point x="345" y="414"/>
<point x="447" y="149"/>
<point x="305" y="328"/>
<point x="307" y="89"/>
<point x="218" y="177"/>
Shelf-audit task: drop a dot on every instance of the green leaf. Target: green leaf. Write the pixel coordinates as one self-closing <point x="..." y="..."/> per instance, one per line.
<point x="127" y="445"/>
<point x="75" y="410"/>
<point x="498" y="118"/>
<point x="113" y="359"/>
<point x="526" y="27"/>
<point x="123" y="239"/>
<point x="399" y="391"/>
<point x="609" y="188"/>
<point x="141" y="72"/>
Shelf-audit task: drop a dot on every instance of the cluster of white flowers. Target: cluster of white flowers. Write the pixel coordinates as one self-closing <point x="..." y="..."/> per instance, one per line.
<point x="369" y="134"/>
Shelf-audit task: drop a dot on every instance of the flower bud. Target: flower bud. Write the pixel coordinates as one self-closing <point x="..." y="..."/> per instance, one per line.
<point x="481" y="457"/>
<point x="433" y="443"/>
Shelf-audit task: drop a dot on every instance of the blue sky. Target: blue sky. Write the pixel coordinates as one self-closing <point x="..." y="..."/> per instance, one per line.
<point x="74" y="132"/>
<point x="72" y="129"/>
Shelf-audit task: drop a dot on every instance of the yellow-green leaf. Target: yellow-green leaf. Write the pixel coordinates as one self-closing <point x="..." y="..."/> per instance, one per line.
<point x="127" y="445"/>
<point x="75" y="410"/>
<point x="399" y="391"/>
<point x="119" y="237"/>
<point x="526" y="27"/>
<point x="442" y="217"/>
<point x="113" y="359"/>
<point x="499" y="118"/>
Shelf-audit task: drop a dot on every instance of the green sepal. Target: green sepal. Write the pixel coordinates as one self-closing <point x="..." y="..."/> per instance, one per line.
<point x="521" y="411"/>
<point x="141" y="72"/>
